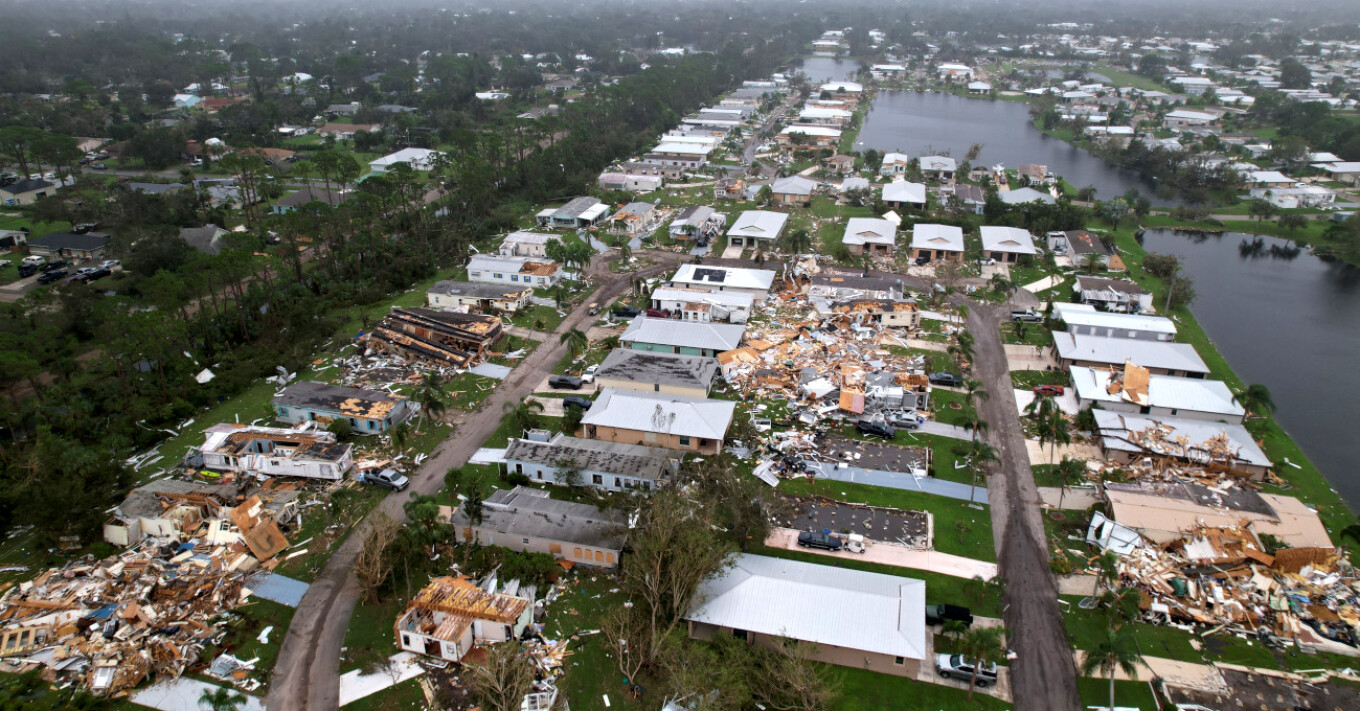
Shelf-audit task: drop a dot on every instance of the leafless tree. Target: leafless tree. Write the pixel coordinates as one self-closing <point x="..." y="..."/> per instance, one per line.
<point x="788" y="679"/>
<point x="373" y="566"/>
<point x="502" y="678"/>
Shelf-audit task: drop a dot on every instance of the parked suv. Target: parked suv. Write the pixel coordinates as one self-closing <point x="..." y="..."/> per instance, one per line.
<point x="54" y="275"/>
<point x="957" y="666"/>
<point x="951" y="379"/>
<point x="1029" y="316"/>
<point x="626" y="311"/>
<point x="575" y="401"/>
<point x="898" y="417"/>
<point x="876" y="429"/>
<point x="565" y="382"/>
<point x="939" y="614"/>
<point x="817" y="539"/>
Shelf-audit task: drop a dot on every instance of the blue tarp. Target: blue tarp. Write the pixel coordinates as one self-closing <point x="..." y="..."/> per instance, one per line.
<point x="277" y="588"/>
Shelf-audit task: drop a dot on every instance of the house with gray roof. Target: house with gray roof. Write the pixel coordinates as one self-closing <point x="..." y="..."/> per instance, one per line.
<point x="208" y="239"/>
<point x="664" y="335"/>
<point x="609" y="466"/>
<point x="853" y="618"/>
<point x="90" y="245"/>
<point x="526" y="519"/>
<point x="482" y="297"/>
<point x="367" y="411"/>
<point x="668" y="373"/>
<point x="579" y="213"/>
<point x="684" y="424"/>
<point x="156" y="188"/>
<point x="793" y="190"/>
<point x="757" y="228"/>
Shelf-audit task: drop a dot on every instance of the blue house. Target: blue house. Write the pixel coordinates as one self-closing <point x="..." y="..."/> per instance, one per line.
<point x="368" y="411"/>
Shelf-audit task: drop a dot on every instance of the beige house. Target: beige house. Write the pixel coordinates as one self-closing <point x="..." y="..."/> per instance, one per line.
<point x="655" y="419"/>
<point x="1165" y="512"/>
<point x="855" y="619"/>
<point x="870" y="235"/>
<point x="526" y="519"/>
<point x="26" y="192"/>
<point x="472" y="296"/>
<point x="665" y="373"/>
<point x="937" y="243"/>
<point x="451" y="614"/>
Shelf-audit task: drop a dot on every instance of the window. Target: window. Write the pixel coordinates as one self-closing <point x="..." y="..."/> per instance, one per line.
<point x="405" y="641"/>
<point x="519" y="468"/>
<point x="684" y="441"/>
<point x="618" y="484"/>
<point x="526" y="541"/>
<point x="514" y="277"/>
<point x="597" y="479"/>
<point x="498" y="276"/>
<point x="609" y="557"/>
<point x="899" y="661"/>
<point x="739" y="634"/>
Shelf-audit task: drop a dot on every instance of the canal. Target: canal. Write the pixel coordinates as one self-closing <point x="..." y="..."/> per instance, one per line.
<point x="929" y="123"/>
<point x="1290" y="321"/>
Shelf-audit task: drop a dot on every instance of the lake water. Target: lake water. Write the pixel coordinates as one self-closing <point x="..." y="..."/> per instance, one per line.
<point x="928" y="123"/>
<point x="1291" y="324"/>
<point x="825" y="69"/>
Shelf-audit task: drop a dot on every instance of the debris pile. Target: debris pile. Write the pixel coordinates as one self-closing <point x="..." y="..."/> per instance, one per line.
<point x="146" y="614"/>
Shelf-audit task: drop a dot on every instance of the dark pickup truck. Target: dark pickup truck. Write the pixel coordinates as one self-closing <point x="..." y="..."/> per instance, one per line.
<point x="817" y="539"/>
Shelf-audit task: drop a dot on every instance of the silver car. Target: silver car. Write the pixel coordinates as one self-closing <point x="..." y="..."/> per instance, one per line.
<point x="957" y="666"/>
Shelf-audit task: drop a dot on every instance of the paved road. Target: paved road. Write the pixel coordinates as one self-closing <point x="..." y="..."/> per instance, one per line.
<point x="748" y="153"/>
<point x="1043" y="675"/>
<point x="306" y="675"/>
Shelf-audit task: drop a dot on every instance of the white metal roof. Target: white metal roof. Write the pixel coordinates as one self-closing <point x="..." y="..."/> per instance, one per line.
<point x="1171" y="392"/>
<point x="851" y="609"/>
<point x="823" y="113"/>
<point x="793" y="185"/>
<point x="931" y="236"/>
<point x="734" y="299"/>
<point x="417" y="158"/>
<point x="845" y="86"/>
<point x="1007" y="239"/>
<point x="679" y="148"/>
<point x="890" y="158"/>
<point x="1116" y="351"/>
<point x="823" y="131"/>
<point x="1024" y="195"/>
<point x="869" y="230"/>
<point x="938" y="163"/>
<point x="673" y="332"/>
<point x="662" y="413"/>
<point x="1087" y="315"/>
<point x="756" y="223"/>
<point x="904" y="191"/>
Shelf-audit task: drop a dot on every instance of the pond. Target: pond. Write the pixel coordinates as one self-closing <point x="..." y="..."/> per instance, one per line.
<point x="1290" y="321"/>
<point x="928" y="123"/>
<point x="825" y="69"/>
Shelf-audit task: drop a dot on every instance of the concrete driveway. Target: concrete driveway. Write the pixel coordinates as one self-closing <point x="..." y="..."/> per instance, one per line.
<point x="895" y="555"/>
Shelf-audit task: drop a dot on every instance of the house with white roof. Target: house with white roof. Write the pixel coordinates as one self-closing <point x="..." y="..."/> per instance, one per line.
<point x="416" y="158"/>
<point x="852" y="618"/>
<point x="1021" y="196"/>
<point x="756" y="228"/>
<point x="954" y="71"/>
<point x="905" y="195"/>
<point x="931" y="242"/>
<point x="1086" y="320"/>
<point x="578" y="213"/>
<point x="894" y="164"/>
<point x="824" y="116"/>
<point x="1268" y="179"/>
<point x="1159" y="357"/>
<point x="755" y="282"/>
<point x="808" y="137"/>
<point x="526" y="244"/>
<point x="1347" y="172"/>
<point x="1127" y="438"/>
<point x="939" y="167"/>
<point x="793" y="190"/>
<point x="870" y="235"/>
<point x="684" y="424"/>
<point x="1006" y="244"/>
<point x="701" y="305"/>
<point x="667" y="335"/>
<point x="1185" y="118"/>
<point x="502" y="269"/>
<point x="1134" y="390"/>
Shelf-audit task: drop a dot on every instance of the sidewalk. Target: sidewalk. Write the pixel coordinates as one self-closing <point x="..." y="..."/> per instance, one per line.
<point x="894" y="555"/>
<point x="900" y="480"/>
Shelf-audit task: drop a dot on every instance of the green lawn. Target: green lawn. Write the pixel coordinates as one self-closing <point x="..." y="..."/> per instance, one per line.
<point x="1122" y="78"/>
<point x="315" y="522"/>
<point x="469" y="390"/>
<point x="242" y="638"/>
<point x="591" y="672"/>
<point x="1027" y="379"/>
<point x="959" y="528"/>
<point x="1033" y="334"/>
<point x="369" y="637"/>
<point x="539" y="318"/>
<point x="864" y="690"/>
<point x="1131" y="694"/>
<point x="406" y="695"/>
<point x="949" y="407"/>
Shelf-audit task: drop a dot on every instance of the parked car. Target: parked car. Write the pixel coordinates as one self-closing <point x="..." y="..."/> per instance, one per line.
<point x="54" y="275"/>
<point x="565" y="382"/>
<point x="575" y="401"/>
<point x="922" y="260"/>
<point x="656" y="313"/>
<point x="594" y="308"/>
<point x="99" y="166"/>
<point x="109" y="264"/>
<point x="387" y="479"/>
<point x="589" y="375"/>
<point x="1028" y="316"/>
<point x="957" y="666"/>
<point x="939" y="614"/>
<point x="626" y="311"/>
<point x="89" y="274"/>
<point x="83" y="228"/>
<point x="950" y="379"/>
<point x="1053" y="390"/>
<point x="876" y="429"/>
<point x="54" y="265"/>
<point x="818" y="539"/>
<point x="908" y="419"/>
<point x="27" y="270"/>
<point x="34" y="260"/>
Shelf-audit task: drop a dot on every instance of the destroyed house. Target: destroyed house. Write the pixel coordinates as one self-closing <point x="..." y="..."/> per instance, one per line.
<point x="441" y="337"/>
<point x="634" y="219"/>
<point x="882" y="312"/>
<point x="837" y="285"/>
<point x="610" y="466"/>
<point x="853" y="618"/>
<point x="1134" y="390"/>
<point x="1167" y="511"/>
<point x="703" y="306"/>
<point x="668" y="373"/>
<point x="756" y="282"/>
<point x="167" y="509"/>
<point x="664" y="335"/>
<point x="1212" y="446"/>
<point x="1079" y="244"/>
<point x="1159" y="357"/>
<point x="515" y="271"/>
<point x="528" y="519"/>
<point x="478" y="296"/>
<point x="1115" y="295"/>
<point x="271" y="451"/>
<point x="367" y="411"/>
<point x="451" y="614"/>
<point x="526" y="244"/>
<point x="659" y="420"/>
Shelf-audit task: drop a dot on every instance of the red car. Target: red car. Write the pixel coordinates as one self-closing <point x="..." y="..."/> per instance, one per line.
<point x="1054" y="390"/>
<point x="657" y="313"/>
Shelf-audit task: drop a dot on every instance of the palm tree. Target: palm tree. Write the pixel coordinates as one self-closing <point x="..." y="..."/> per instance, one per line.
<point x="962" y="349"/>
<point x="1117" y="650"/>
<point x="980" y="454"/>
<point x="525" y="414"/>
<point x="798" y="241"/>
<point x="1256" y="399"/>
<point x="999" y="283"/>
<point x="576" y="341"/>
<point x="954" y="628"/>
<point x="1068" y="468"/>
<point x="1053" y="428"/>
<point x="981" y="646"/>
<point x="221" y="699"/>
<point x="431" y="396"/>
